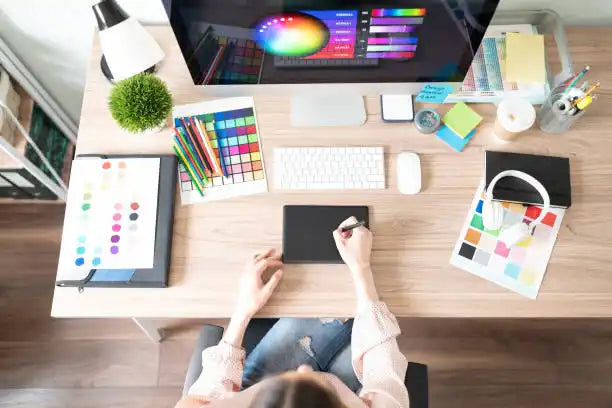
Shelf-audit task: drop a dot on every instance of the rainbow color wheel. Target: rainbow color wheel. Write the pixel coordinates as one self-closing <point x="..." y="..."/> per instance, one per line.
<point x="291" y="34"/>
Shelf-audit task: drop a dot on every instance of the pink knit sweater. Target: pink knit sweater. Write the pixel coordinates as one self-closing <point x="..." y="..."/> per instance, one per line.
<point x="377" y="361"/>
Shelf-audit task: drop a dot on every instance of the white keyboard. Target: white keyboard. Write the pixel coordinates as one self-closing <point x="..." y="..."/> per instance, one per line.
<point x="329" y="168"/>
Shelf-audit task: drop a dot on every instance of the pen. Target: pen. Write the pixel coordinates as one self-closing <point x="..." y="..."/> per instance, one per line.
<point x="353" y="226"/>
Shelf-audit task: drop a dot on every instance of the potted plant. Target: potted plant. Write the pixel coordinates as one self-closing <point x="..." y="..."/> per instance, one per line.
<point x="140" y="104"/>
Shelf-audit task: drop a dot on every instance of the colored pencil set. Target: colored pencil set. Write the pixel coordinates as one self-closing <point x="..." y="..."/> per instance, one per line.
<point x="576" y="98"/>
<point x="208" y="57"/>
<point x="195" y="150"/>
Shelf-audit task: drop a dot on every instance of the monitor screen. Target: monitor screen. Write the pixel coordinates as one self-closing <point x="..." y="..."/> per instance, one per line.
<point x="237" y="42"/>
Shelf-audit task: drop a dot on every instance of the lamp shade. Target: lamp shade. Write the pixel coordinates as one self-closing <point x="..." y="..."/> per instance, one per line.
<point x="127" y="47"/>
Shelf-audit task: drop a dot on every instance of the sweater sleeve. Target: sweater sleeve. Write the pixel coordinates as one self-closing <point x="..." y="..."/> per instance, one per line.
<point x="221" y="372"/>
<point x="377" y="360"/>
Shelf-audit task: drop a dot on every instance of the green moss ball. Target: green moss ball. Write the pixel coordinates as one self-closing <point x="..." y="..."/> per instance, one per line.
<point x="140" y="102"/>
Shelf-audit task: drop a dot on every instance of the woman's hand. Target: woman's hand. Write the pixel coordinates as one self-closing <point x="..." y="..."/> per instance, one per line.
<point x="355" y="247"/>
<point x="253" y="293"/>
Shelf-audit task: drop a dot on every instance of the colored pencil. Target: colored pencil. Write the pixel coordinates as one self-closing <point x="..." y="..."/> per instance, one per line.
<point x="194" y="180"/>
<point x="208" y="145"/>
<point x="192" y="138"/>
<point x="577" y="78"/>
<point x="188" y="168"/>
<point x="221" y="157"/>
<point x="203" y="39"/>
<point x="190" y="154"/>
<point x="213" y="66"/>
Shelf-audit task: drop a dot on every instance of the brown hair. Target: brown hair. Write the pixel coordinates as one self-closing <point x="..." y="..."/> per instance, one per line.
<point x="295" y="393"/>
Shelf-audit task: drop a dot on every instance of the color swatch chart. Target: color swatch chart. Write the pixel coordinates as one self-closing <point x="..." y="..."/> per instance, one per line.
<point x="393" y="32"/>
<point x="342" y="25"/>
<point x="520" y="268"/>
<point x="232" y="127"/>
<point x="243" y="64"/>
<point x="485" y="80"/>
<point x="111" y="215"/>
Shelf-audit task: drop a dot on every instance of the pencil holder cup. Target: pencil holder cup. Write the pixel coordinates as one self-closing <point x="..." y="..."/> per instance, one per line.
<point x="551" y="118"/>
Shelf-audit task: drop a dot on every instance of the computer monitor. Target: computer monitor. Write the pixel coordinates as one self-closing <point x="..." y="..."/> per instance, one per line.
<point x="325" y="48"/>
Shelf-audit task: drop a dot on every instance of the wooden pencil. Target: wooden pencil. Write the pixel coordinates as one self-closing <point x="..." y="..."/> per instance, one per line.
<point x="194" y="180"/>
<point x="191" y="156"/>
<point x="208" y="146"/>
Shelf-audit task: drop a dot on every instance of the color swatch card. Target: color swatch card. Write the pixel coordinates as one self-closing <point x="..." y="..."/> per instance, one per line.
<point x="111" y="215"/>
<point x="232" y="128"/>
<point x="520" y="268"/>
<point x="525" y="58"/>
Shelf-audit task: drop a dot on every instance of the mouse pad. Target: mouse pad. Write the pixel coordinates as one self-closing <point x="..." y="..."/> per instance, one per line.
<point x="307" y="231"/>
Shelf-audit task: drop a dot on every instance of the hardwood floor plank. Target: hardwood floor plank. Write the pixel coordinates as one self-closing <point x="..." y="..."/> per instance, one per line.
<point x="96" y="363"/>
<point x="118" y="397"/>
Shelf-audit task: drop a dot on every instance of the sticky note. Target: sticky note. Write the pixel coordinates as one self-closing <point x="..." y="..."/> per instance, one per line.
<point x="525" y="58"/>
<point x="432" y="93"/>
<point x="451" y="138"/>
<point x="461" y="119"/>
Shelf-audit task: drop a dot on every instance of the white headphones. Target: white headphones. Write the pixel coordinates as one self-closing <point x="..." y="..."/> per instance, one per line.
<point x="493" y="211"/>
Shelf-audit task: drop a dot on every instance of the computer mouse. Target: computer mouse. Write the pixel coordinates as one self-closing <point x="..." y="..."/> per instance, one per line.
<point x="408" y="173"/>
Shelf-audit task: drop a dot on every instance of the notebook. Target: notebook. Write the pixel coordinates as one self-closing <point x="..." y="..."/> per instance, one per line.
<point x="552" y="172"/>
<point x="118" y="223"/>
<point x="308" y="231"/>
<point x="461" y="119"/>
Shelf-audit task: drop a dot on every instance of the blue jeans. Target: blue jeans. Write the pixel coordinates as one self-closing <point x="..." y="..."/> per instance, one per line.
<point x="292" y="342"/>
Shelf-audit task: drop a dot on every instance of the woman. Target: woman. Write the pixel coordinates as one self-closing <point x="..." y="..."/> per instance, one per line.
<point x="321" y="350"/>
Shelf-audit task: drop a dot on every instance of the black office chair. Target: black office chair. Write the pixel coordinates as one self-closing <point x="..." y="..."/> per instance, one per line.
<point x="416" y="376"/>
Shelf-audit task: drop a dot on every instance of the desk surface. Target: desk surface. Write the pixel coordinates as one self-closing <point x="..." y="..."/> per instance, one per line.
<point x="414" y="235"/>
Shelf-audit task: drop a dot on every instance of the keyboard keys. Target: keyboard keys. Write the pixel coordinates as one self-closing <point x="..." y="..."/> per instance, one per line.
<point x="329" y="168"/>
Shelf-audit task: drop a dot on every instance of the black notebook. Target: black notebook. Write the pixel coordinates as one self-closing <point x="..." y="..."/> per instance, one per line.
<point x="552" y="172"/>
<point x="308" y="229"/>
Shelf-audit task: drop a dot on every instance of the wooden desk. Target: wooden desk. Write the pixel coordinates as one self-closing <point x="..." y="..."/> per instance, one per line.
<point x="414" y="236"/>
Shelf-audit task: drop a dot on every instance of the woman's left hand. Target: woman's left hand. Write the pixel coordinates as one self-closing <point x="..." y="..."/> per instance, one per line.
<point x="253" y="293"/>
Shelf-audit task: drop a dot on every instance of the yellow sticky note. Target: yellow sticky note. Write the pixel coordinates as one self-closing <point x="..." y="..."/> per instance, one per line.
<point x="525" y="58"/>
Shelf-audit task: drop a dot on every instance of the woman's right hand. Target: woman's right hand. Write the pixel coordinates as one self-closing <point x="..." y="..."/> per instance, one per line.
<point x="355" y="248"/>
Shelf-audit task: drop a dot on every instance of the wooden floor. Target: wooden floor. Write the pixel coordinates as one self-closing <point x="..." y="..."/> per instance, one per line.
<point x="109" y="363"/>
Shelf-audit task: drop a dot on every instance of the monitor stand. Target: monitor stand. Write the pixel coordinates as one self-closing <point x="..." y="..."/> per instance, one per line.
<point x="327" y="110"/>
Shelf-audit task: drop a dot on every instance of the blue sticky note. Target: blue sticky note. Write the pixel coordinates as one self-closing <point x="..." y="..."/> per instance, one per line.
<point x="451" y="138"/>
<point x="432" y="93"/>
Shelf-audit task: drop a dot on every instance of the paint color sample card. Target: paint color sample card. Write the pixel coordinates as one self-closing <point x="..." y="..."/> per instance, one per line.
<point x="232" y="127"/>
<point x="111" y="216"/>
<point x="525" y="61"/>
<point x="461" y="119"/>
<point x="520" y="268"/>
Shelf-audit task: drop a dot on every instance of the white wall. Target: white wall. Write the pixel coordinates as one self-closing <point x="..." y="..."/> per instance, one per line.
<point x="53" y="37"/>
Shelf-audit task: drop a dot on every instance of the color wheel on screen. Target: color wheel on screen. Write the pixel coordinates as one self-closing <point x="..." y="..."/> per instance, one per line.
<point x="291" y="34"/>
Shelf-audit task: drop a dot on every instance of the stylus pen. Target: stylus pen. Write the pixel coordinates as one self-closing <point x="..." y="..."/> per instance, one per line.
<point x="356" y="225"/>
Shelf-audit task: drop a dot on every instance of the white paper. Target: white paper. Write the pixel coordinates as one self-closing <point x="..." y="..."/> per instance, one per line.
<point x="535" y="256"/>
<point x="230" y="189"/>
<point x="111" y="216"/>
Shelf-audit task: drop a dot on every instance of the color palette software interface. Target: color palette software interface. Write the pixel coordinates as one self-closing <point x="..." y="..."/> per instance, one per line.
<point x="376" y="33"/>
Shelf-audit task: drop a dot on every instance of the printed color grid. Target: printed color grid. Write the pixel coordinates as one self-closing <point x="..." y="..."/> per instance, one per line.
<point x="520" y="268"/>
<point x="243" y="65"/>
<point x="234" y="133"/>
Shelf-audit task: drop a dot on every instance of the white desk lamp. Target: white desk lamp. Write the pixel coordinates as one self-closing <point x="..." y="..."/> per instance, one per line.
<point x="127" y="47"/>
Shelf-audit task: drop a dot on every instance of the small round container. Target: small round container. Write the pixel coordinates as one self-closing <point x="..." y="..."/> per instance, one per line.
<point x="427" y="120"/>
<point x="514" y="116"/>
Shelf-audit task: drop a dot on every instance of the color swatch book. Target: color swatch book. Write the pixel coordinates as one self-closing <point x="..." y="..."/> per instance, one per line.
<point x="231" y="125"/>
<point x="485" y="80"/>
<point x="111" y="216"/>
<point x="520" y="268"/>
